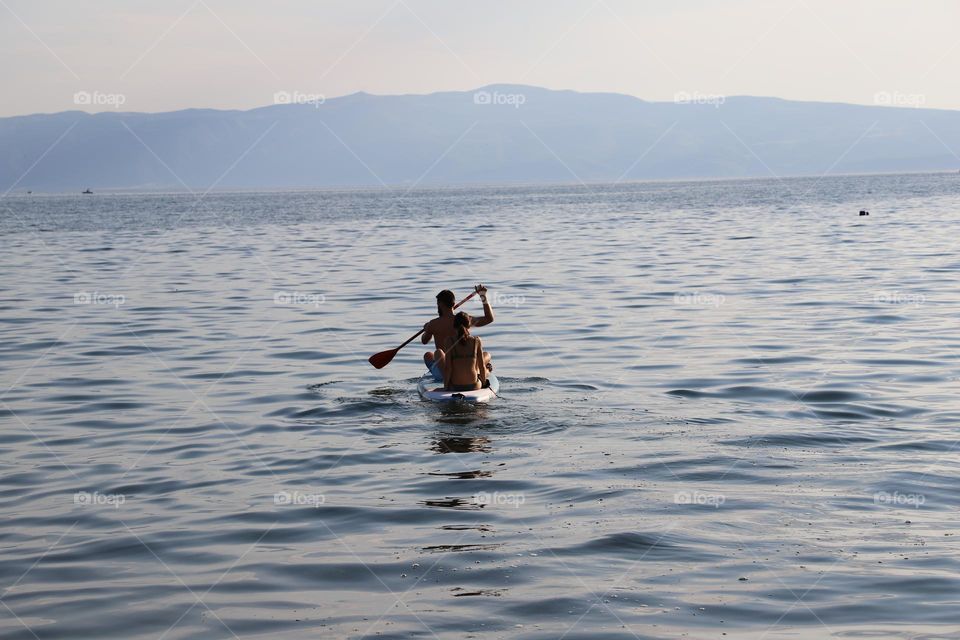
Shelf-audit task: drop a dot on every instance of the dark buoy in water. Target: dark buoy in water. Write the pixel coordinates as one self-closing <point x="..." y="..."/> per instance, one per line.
<point x="864" y="212"/>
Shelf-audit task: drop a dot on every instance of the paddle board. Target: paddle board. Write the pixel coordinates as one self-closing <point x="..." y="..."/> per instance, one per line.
<point x="429" y="389"/>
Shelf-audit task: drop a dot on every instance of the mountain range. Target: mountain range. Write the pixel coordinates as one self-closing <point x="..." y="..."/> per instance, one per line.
<point x="495" y="134"/>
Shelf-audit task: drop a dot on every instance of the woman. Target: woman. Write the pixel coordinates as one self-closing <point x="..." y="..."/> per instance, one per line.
<point x="464" y="366"/>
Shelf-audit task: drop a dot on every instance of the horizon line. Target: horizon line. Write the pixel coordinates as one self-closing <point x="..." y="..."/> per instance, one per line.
<point x="480" y="185"/>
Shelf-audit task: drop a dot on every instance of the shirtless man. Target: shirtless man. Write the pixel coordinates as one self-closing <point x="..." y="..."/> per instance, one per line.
<point x="441" y="329"/>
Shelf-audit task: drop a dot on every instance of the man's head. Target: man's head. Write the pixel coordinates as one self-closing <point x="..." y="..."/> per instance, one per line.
<point x="445" y="301"/>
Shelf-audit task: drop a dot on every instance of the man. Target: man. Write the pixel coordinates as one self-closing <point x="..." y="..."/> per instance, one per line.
<point x="441" y="329"/>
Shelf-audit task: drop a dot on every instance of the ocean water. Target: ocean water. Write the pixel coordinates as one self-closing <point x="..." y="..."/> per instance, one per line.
<point x="728" y="409"/>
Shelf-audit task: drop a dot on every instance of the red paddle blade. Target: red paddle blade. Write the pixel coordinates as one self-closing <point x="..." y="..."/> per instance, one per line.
<point x="382" y="359"/>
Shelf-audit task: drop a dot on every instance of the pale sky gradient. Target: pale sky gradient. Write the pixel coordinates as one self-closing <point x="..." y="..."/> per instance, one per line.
<point x="235" y="54"/>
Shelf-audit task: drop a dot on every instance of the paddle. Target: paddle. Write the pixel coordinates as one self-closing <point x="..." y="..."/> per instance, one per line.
<point x="382" y="359"/>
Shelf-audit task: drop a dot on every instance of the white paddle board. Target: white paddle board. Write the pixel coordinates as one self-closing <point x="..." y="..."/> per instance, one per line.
<point x="430" y="389"/>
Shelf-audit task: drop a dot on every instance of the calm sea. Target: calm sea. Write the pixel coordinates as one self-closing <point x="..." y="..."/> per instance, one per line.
<point x="728" y="408"/>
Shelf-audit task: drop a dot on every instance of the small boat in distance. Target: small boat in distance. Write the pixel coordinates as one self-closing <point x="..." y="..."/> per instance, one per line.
<point x="87" y="192"/>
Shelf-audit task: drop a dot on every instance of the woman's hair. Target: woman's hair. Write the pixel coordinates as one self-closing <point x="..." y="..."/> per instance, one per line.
<point x="461" y="322"/>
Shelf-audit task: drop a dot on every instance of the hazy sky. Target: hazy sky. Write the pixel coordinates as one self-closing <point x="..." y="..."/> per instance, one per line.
<point x="173" y="54"/>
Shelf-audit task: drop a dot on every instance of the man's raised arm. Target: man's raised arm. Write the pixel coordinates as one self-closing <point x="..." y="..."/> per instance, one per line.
<point x="487" y="309"/>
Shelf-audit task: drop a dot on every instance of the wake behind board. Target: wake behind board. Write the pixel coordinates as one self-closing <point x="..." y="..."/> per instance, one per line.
<point x="429" y="389"/>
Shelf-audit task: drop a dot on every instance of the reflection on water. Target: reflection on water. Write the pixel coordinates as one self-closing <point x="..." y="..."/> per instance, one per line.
<point x="727" y="407"/>
<point x="452" y="503"/>
<point x="464" y="475"/>
<point x="456" y="444"/>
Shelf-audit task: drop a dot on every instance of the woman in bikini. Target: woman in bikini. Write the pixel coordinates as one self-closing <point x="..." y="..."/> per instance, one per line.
<point x="464" y="367"/>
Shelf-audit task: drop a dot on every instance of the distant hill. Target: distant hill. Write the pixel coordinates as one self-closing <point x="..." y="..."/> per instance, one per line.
<point x="496" y="134"/>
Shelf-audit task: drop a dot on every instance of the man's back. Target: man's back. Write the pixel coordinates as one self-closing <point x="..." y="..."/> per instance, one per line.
<point x="443" y="331"/>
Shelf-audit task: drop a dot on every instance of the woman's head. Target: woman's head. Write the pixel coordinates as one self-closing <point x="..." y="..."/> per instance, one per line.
<point x="461" y="322"/>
